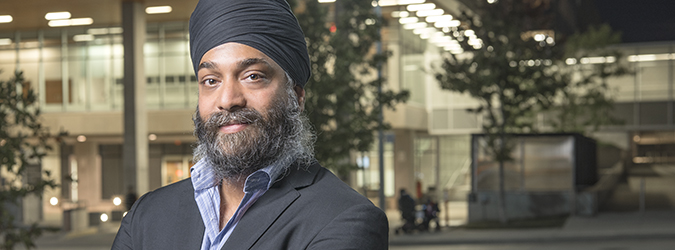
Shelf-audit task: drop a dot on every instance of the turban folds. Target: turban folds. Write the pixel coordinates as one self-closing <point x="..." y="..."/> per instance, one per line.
<point x="266" y="25"/>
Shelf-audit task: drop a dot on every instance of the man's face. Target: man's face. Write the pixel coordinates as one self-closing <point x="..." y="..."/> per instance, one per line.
<point x="234" y="76"/>
<point x="245" y="109"/>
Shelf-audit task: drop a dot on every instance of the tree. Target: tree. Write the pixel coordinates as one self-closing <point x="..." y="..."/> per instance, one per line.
<point x="584" y="103"/>
<point x="514" y="63"/>
<point x="23" y="142"/>
<point x="343" y="102"/>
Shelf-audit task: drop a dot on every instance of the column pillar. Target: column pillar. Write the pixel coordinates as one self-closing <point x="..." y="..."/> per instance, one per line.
<point x="135" y="148"/>
<point x="89" y="182"/>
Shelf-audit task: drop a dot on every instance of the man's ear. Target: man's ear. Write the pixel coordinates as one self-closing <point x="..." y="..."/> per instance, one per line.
<point x="300" y="92"/>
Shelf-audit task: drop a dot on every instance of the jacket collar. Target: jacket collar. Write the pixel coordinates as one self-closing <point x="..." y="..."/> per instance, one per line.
<point x="260" y="217"/>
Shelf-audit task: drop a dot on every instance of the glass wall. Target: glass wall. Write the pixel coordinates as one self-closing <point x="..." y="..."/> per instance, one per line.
<point x="81" y="68"/>
<point x="541" y="163"/>
<point x="652" y="80"/>
<point x="368" y="176"/>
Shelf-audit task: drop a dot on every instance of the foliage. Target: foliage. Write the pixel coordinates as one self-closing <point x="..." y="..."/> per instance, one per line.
<point x="585" y="102"/>
<point x="515" y="76"/>
<point x="343" y="102"/>
<point x="23" y="142"/>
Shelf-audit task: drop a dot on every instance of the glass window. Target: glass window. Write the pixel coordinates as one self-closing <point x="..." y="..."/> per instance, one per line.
<point x="175" y="168"/>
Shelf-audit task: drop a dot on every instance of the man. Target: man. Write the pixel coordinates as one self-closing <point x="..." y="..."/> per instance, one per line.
<point x="256" y="184"/>
<point x="406" y="205"/>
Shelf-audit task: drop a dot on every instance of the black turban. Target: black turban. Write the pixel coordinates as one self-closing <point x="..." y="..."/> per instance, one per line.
<point x="266" y="25"/>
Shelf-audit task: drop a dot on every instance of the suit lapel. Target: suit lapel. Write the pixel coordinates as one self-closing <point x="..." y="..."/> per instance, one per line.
<point x="265" y="212"/>
<point x="192" y="228"/>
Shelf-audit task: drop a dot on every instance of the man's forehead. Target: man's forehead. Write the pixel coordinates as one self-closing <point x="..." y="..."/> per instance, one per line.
<point x="239" y="55"/>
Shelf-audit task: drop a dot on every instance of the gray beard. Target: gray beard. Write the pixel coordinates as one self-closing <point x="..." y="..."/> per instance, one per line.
<point x="282" y="136"/>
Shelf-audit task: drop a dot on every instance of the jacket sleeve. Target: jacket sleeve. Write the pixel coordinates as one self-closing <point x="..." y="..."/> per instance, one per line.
<point x="123" y="239"/>
<point x="359" y="227"/>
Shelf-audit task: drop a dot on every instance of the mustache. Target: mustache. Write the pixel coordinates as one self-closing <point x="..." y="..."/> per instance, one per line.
<point x="240" y="116"/>
<point x="207" y="130"/>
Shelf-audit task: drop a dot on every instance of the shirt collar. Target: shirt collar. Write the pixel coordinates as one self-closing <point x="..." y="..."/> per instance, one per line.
<point x="203" y="176"/>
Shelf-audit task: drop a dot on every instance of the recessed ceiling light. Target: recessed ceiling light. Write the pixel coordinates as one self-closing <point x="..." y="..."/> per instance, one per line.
<point x="158" y="9"/>
<point x="71" y="22"/>
<point x="81" y="21"/>
<point x="6" y="19"/>
<point x="57" y="15"/>
<point x="418" y="7"/>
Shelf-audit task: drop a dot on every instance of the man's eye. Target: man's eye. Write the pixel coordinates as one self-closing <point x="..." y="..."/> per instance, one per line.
<point x="209" y="82"/>
<point x="254" y="77"/>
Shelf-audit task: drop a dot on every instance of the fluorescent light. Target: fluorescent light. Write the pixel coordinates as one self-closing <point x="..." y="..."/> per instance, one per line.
<point x="5" y="41"/>
<point x="98" y="31"/>
<point x="642" y="58"/>
<point x="418" y="7"/>
<point x="71" y="22"/>
<point x="400" y="14"/>
<point x="81" y="21"/>
<point x="104" y="31"/>
<point x="387" y="2"/>
<point x="406" y="20"/>
<point x="433" y="19"/>
<point x="610" y="59"/>
<point x="158" y="9"/>
<point x="469" y="33"/>
<point x="6" y="19"/>
<point x="59" y="23"/>
<point x="452" y="23"/>
<point x="398" y="2"/>
<point x="57" y="15"/>
<point x="83" y="37"/>
<point x="410" y="26"/>
<point x="434" y="12"/>
<point x="326" y="1"/>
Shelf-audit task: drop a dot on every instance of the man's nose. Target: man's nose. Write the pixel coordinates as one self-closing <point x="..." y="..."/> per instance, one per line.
<point x="231" y="96"/>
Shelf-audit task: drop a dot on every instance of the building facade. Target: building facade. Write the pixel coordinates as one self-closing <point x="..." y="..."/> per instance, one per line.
<point x="78" y="73"/>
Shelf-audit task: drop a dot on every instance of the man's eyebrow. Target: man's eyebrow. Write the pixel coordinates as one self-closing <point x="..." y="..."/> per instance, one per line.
<point x="206" y="65"/>
<point x="253" y="61"/>
<point x="241" y="64"/>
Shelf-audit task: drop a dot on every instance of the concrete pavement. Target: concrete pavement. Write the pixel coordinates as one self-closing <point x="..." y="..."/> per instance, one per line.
<point x="652" y="225"/>
<point x="602" y="227"/>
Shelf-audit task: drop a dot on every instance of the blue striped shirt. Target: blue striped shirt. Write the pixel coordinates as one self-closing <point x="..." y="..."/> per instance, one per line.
<point x="207" y="196"/>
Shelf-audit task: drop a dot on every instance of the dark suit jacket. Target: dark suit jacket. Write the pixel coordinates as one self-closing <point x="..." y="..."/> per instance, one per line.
<point x="308" y="209"/>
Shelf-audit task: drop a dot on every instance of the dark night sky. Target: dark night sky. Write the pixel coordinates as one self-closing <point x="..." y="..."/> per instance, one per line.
<point x="640" y="20"/>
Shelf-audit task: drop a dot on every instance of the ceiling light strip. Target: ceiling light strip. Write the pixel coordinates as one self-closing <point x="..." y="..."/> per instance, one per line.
<point x="6" y="19"/>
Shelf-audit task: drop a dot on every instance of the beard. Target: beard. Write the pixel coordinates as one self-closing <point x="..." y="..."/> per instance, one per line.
<point x="281" y="136"/>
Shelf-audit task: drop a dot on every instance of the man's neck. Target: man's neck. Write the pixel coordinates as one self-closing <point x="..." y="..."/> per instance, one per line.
<point x="231" y="194"/>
